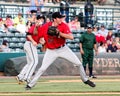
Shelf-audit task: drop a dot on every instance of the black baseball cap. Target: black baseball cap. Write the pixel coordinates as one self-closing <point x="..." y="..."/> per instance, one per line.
<point x="89" y="26"/>
<point x="40" y="17"/>
<point x="33" y="11"/>
<point x="57" y="15"/>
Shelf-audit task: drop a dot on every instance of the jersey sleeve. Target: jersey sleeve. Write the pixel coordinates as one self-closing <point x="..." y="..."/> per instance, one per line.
<point x="65" y="28"/>
<point x="68" y="29"/>
<point x="81" y="38"/>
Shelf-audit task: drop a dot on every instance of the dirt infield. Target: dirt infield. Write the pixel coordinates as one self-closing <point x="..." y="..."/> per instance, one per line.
<point x="104" y="80"/>
<point x="58" y="93"/>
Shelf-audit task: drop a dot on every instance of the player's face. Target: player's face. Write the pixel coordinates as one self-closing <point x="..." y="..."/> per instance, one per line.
<point x="58" y="20"/>
<point x="89" y="30"/>
<point x="33" y="15"/>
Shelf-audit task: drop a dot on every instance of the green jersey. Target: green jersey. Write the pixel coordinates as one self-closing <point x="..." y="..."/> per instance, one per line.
<point x="88" y="40"/>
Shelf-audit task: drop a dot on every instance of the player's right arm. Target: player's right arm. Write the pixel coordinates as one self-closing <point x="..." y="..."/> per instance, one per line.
<point x="81" y="47"/>
<point x="29" y="36"/>
<point x="67" y="34"/>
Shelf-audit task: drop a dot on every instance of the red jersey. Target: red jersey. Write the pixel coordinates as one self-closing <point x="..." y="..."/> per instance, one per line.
<point x="53" y="42"/>
<point x="100" y="38"/>
<point x="35" y="37"/>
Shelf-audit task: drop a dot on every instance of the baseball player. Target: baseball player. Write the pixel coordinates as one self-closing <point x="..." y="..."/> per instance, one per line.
<point x="30" y="47"/>
<point x="56" y="47"/>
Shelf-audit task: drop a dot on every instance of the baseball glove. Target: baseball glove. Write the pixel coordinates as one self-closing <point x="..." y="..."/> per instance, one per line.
<point x="53" y="31"/>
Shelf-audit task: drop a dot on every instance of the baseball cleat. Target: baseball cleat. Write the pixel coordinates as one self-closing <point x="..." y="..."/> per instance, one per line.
<point x="90" y="83"/>
<point x="92" y="76"/>
<point x="19" y="81"/>
<point x="28" y="87"/>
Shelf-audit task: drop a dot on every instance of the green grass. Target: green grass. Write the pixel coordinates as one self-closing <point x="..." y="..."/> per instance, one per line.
<point x="63" y="87"/>
<point x="69" y="95"/>
<point x="10" y="86"/>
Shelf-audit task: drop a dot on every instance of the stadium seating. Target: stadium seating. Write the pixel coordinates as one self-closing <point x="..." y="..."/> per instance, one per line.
<point x="16" y="41"/>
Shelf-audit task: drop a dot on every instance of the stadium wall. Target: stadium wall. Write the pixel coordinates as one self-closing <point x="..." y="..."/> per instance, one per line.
<point x="104" y="64"/>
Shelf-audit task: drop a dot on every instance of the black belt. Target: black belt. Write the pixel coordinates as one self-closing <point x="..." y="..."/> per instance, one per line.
<point x="57" y="47"/>
<point x="60" y="46"/>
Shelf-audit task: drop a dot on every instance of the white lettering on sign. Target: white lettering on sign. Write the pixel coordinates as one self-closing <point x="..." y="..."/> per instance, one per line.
<point x="107" y="65"/>
<point x="107" y="62"/>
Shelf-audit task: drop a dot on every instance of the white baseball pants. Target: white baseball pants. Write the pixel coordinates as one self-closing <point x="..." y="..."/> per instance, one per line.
<point x="51" y="55"/>
<point x="32" y="61"/>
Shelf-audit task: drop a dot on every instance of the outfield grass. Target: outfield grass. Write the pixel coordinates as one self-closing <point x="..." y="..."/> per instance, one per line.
<point x="105" y="86"/>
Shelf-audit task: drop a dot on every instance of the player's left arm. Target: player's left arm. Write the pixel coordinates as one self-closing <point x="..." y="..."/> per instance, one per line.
<point x="95" y="47"/>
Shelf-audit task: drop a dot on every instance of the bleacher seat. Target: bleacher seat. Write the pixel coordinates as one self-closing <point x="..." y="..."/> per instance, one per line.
<point x="68" y="44"/>
<point x="22" y="40"/>
<point x="72" y="46"/>
<point x="17" y="34"/>
<point x="20" y="45"/>
<point x="68" y="40"/>
<point x="75" y="50"/>
<point x="13" y="45"/>
<point x="15" y="39"/>
<point x="76" y="40"/>
<point x="77" y="45"/>
<point x="8" y="39"/>
<point x="24" y="35"/>
<point x="10" y="35"/>
<point x="78" y="35"/>
<point x="19" y="50"/>
<point x="2" y="35"/>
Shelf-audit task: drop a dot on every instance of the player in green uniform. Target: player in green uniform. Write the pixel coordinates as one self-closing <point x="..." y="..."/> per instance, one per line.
<point x="87" y="47"/>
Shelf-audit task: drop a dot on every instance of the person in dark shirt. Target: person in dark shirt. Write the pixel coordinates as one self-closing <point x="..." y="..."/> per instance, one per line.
<point x="81" y="19"/>
<point x="89" y="9"/>
<point x="109" y="36"/>
<point x="64" y="9"/>
<point x="87" y="47"/>
<point x="112" y="47"/>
